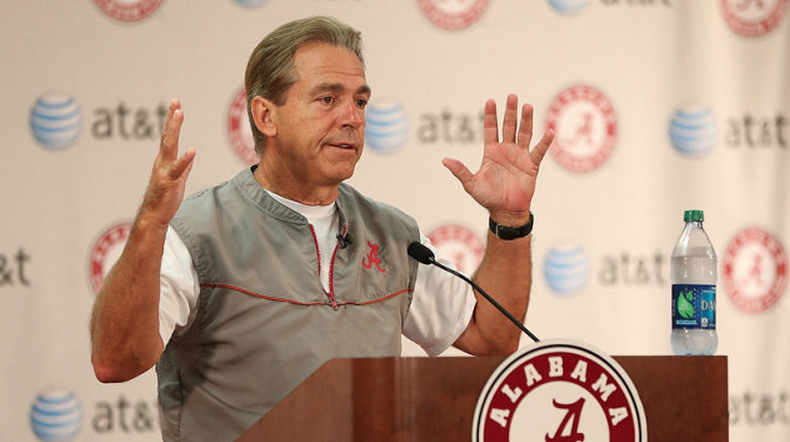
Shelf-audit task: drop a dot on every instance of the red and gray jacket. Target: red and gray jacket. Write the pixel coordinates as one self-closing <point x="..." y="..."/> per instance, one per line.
<point x="264" y="322"/>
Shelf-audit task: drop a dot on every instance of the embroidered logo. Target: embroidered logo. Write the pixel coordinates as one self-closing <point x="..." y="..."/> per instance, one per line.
<point x="373" y="258"/>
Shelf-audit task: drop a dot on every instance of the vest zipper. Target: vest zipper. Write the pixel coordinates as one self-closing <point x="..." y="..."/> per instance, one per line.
<point x="332" y="268"/>
<point x="331" y="293"/>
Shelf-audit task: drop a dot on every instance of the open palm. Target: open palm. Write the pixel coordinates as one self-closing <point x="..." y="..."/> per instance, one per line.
<point x="505" y="182"/>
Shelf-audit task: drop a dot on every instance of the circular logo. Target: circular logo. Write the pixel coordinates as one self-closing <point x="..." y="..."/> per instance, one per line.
<point x="128" y="10"/>
<point x="568" y="7"/>
<point x="55" y="121"/>
<point x="453" y="14"/>
<point x="755" y="270"/>
<point x="386" y="127"/>
<point x="251" y="3"/>
<point x="105" y="252"/>
<point x="559" y="391"/>
<point x="753" y="18"/>
<point x="585" y="126"/>
<point x="56" y="415"/>
<point x="239" y="130"/>
<point x="693" y="130"/>
<point x="567" y="269"/>
<point x="460" y="245"/>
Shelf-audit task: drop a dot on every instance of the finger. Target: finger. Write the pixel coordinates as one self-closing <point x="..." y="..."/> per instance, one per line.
<point x="170" y="133"/>
<point x="509" y="121"/>
<point x="490" y="128"/>
<point x="542" y="147"/>
<point x="182" y="166"/>
<point x="525" y="129"/>
<point x="458" y="169"/>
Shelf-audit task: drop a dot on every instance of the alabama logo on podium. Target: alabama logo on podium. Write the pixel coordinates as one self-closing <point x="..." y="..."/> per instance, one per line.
<point x="559" y="391"/>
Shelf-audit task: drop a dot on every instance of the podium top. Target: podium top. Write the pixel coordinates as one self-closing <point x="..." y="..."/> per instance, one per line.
<point x="433" y="399"/>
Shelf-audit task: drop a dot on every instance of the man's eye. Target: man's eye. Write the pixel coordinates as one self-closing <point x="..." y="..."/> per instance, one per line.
<point x="327" y="100"/>
<point x="362" y="103"/>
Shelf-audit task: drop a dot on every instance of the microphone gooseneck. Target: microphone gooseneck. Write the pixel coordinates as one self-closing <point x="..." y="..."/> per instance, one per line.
<point x="424" y="255"/>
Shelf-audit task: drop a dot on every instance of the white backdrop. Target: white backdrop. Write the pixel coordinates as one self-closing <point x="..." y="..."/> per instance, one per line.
<point x="660" y="106"/>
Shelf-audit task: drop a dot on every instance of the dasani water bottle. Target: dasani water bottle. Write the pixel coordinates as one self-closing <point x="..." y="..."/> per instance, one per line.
<point x="693" y="275"/>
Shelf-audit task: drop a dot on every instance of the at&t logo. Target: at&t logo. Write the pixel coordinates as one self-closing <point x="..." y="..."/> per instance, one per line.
<point x="251" y="3"/>
<point x="55" y="121"/>
<point x="453" y="14"/>
<point x="386" y="127"/>
<point x="567" y="269"/>
<point x="56" y="415"/>
<point x="568" y="7"/>
<point x="128" y="10"/>
<point x="585" y="126"/>
<point x="753" y="18"/>
<point x="755" y="270"/>
<point x="693" y="130"/>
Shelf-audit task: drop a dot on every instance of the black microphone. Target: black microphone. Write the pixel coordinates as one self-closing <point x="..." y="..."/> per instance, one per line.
<point x="423" y="254"/>
<point x="345" y="240"/>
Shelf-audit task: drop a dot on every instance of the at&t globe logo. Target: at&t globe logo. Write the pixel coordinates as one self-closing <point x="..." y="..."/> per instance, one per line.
<point x="56" y="415"/>
<point x="386" y="127"/>
<point x="568" y="6"/>
<point x="55" y="121"/>
<point x="567" y="269"/>
<point x="251" y="3"/>
<point x="693" y="130"/>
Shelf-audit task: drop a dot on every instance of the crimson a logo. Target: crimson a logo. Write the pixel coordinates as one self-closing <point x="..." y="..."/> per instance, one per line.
<point x="755" y="270"/>
<point x="586" y="128"/>
<point x="105" y="252"/>
<point x="239" y="130"/>
<point x="453" y="14"/>
<point x="559" y="391"/>
<point x="128" y="11"/>
<point x="753" y="18"/>
<point x="458" y="244"/>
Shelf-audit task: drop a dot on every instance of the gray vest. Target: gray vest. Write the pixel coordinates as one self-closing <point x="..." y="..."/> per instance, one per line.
<point x="264" y="323"/>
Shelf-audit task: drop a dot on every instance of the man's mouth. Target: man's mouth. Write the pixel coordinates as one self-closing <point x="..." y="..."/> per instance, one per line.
<point x="344" y="145"/>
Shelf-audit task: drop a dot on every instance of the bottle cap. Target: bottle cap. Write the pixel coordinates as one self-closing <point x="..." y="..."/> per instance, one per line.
<point x="693" y="215"/>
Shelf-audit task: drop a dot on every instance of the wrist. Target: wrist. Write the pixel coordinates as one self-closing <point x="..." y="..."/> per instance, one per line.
<point x="507" y="218"/>
<point x="510" y="232"/>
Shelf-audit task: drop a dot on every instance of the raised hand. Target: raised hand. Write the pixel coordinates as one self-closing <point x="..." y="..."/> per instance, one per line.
<point x="168" y="177"/>
<point x="505" y="182"/>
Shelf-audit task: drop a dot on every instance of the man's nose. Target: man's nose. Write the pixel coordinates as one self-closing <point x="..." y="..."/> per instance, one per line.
<point x="352" y="116"/>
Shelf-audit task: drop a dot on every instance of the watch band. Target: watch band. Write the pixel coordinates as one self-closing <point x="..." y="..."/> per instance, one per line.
<point x="508" y="233"/>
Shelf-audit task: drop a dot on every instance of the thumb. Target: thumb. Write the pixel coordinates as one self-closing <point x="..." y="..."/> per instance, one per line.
<point x="458" y="169"/>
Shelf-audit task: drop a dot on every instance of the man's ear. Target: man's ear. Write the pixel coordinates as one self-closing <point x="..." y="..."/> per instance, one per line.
<point x="263" y="115"/>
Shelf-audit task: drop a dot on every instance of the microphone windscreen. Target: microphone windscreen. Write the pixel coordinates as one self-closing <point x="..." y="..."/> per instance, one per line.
<point x="420" y="252"/>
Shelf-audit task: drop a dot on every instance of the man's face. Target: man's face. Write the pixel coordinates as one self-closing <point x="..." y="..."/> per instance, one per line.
<point x="321" y="126"/>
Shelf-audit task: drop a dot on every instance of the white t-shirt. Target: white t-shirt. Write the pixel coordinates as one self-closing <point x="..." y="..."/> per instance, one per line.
<point x="440" y="310"/>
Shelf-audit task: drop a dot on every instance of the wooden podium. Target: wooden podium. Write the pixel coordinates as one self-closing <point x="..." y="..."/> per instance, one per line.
<point x="434" y="399"/>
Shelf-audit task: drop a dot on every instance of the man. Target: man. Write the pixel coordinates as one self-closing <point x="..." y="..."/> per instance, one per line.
<point x="243" y="290"/>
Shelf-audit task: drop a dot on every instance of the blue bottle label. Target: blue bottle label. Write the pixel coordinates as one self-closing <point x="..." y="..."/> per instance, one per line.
<point x="693" y="306"/>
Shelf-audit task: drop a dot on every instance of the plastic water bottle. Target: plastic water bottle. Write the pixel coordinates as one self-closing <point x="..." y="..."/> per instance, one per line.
<point x="693" y="275"/>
